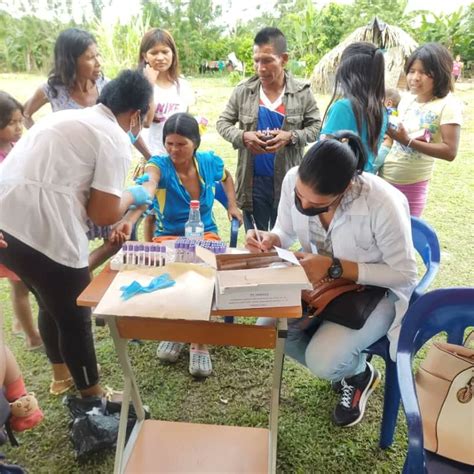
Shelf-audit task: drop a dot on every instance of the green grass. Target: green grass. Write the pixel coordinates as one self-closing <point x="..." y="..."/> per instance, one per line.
<point x="308" y="442"/>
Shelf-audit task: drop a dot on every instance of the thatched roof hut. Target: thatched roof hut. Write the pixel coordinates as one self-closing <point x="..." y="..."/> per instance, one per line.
<point x="398" y="46"/>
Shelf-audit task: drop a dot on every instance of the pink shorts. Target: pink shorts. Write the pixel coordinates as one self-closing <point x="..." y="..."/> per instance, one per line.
<point x="6" y="273"/>
<point x="417" y="194"/>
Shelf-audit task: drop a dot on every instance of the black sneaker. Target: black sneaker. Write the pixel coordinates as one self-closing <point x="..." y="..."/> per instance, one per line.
<point x="337" y="385"/>
<point x="355" y="392"/>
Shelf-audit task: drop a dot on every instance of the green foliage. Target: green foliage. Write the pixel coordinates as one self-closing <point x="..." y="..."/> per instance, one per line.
<point x="362" y="12"/>
<point x="455" y="31"/>
<point x="26" y="43"/>
<point x="234" y="78"/>
<point x="192" y="26"/>
<point x="119" y="44"/>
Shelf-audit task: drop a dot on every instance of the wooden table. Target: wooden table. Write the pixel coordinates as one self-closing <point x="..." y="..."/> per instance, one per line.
<point x="163" y="446"/>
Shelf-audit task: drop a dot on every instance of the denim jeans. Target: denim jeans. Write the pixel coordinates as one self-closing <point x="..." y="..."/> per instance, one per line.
<point x="264" y="211"/>
<point x="332" y="351"/>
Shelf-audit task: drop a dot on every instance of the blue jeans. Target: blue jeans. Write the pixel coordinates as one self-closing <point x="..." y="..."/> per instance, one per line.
<point x="264" y="210"/>
<point x="333" y="351"/>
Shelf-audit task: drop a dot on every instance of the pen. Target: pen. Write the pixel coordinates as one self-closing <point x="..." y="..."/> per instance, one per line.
<point x="257" y="233"/>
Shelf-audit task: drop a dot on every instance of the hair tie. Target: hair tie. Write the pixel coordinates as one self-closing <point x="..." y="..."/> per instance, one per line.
<point x="344" y="140"/>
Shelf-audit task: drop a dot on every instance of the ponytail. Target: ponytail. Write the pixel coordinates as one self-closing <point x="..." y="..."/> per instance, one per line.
<point x="361" y="79"/>
<point x="329" y="166"/>
<point x="375" y="97"/>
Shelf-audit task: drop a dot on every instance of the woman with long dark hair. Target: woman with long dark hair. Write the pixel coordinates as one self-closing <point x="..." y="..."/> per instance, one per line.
<point x="357" y="101"/>
<point x="353" y="225"/>
<point x="76" y="79"/>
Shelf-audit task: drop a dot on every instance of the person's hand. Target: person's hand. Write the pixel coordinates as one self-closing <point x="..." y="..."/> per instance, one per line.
<point x="266" y="243"/>
<point x="254" y="143"/>
<point x="280" y="139"/>
<point x="140" y="196"/>
<point x="399" y="134"/>
<point x="315" y="266"/>
<point x="3" y="242"/>
<point x="121" y="232"/>
<point x="234" y="211"/>
<point x="150" y="74"/>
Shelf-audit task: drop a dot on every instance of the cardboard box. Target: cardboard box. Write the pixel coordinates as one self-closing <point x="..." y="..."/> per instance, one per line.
<point x="255" y="280"/>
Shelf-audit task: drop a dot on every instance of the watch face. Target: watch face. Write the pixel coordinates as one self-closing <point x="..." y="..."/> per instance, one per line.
<point x="335" y="270"/>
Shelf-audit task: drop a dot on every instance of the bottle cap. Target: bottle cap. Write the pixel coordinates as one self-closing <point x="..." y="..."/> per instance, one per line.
<point x="194" y="204"/>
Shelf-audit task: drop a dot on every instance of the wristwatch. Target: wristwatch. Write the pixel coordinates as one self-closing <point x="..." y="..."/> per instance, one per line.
<point x="293" y="138"/>
<point x="335" y="270"/>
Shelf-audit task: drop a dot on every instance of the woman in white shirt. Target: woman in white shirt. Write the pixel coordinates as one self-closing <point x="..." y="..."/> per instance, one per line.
<point x="354" y="225"/>
<point x="69" y="167"/>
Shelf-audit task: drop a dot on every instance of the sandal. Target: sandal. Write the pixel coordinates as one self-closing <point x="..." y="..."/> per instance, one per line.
<point x="58" y="387"/>
<point x="200" y="364"/>
<point x="112" y="395"/>
<point x="169" y="351"/>
<point x="26" y="413"/>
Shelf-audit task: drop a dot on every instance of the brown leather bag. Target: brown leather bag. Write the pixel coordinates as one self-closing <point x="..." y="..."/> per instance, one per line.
<point x="445" y="391"/>
<point x="341" y="301"/>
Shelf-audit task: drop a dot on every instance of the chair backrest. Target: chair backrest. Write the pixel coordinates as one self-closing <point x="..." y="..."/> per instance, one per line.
<point x="426" y="244"/>
<point x="221" y="196"/>
<point x="450" y="310"/>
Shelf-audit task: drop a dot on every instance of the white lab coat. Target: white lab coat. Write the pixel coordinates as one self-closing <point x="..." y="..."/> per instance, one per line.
<point x="375" y="232"/>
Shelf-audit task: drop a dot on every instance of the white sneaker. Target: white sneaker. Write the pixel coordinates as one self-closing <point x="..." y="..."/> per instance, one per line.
<point x="169" y="351"/>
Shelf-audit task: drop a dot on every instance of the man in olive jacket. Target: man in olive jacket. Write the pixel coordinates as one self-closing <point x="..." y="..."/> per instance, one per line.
<point x="277" y="117"/>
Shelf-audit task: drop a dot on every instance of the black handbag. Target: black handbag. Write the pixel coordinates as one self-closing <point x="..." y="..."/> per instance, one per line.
<point x="340" y="301"/>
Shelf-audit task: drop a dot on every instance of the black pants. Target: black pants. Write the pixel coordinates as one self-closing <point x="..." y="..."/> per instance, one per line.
<point x="64" y="327"/>
<point x="264" y="210"/>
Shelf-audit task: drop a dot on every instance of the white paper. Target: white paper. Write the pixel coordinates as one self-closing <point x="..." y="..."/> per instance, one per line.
<point x="190" y="298"/>
<point x="287" y="255"/>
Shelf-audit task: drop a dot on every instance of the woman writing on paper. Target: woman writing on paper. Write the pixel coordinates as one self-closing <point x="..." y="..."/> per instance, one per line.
<point x="350" y="224"/>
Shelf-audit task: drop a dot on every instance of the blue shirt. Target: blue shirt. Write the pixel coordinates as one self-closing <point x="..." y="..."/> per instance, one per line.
<point x="172" y="200"/>
<point x="264" y="164"/>
<point x="341" y="117"/>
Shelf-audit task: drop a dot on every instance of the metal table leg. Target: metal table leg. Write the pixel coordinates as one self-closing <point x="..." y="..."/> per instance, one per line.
<point x="282" y="327"/>
<point x="122" y="453"/>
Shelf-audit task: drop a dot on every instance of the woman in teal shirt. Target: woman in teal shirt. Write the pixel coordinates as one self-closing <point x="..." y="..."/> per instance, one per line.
<point x="360" y="80"/>
<point x="175" y="179"/>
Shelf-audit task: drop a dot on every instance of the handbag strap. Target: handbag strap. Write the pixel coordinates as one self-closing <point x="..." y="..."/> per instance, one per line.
<point x="327" y="289"/>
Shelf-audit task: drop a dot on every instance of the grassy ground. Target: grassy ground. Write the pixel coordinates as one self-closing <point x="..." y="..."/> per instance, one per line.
<point x="308" y="442"/>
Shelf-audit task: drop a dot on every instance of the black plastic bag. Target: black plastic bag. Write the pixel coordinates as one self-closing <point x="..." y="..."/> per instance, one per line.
<point x="95" y="424"/>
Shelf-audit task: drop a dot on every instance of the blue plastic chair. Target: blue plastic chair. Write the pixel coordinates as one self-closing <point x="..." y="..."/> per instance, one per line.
<point x="221" y="196"/>
<point x="426" y="244"/>
<point x="450" y="310"/>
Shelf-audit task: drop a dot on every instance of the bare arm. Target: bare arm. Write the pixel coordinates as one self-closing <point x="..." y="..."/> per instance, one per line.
<point x="154" y="174"/>
<point x="32" y="105"/>
<point x="446" y="150"/>
<point x="141" y="146"/>
<point x="229" y="189"/>
<point x="107" y="209"/>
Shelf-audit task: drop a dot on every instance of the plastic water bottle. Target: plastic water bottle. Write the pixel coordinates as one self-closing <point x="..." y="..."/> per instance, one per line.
<point x="194" y="228"/>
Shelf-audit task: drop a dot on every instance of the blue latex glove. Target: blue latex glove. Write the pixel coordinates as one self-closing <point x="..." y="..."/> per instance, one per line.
<point x="135" y="288"/>
<point x="144" y="178"/>
<point x="140" y="196"/>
